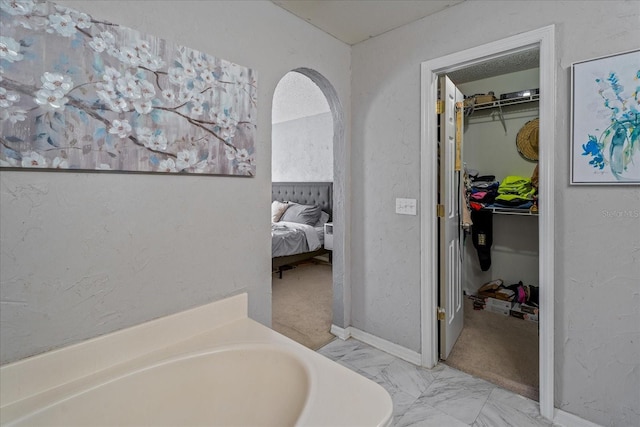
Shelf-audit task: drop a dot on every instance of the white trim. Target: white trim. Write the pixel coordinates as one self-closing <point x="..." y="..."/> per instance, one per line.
<point x="377" y="342"/>
<point x="565" y="419"/>
<point x="341" y="333"/>
<point x="544" y="39"/>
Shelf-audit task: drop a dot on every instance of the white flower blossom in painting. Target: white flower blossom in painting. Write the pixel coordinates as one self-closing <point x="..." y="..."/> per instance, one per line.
<point x="229" y="152"/>
<point x="128" y="86"/>
<point x="129" y="56"/>
<point x="52" y="99"/>
<point x="169" y="95"/>
<point x="244" y="167"/>
<point x="158" y="143"/>
<point x="242" y="155"/>
<point x="108" y="38"/>
<point x="199" y="63"/>
<point x="143" y="106"/>
<point x="197" y="110"/>
<point x="13" y="114"/>
<point x="33" y="160"/>
<point x="60" y="163"/>
<point x="152" y="62"/>
<point x="122" y="128"/>
<point x="17" y="7"/>
<point x="228" y="133"/>
<point x="176" y="76"/>
<point x="184" y="96"/>
<point x="208" y="77"/>
<point x="167" y="165"/>
<point x="186" y="159"/>
<point x="118" y="105"/>
<point x="56" y="81"/>
<point x="7" y="98"/>
<point x="98" y="44"/>
<point x="62" y="24"/>
<point x="147" y="89"/>
<point x="189" y="72"/>
<point x="106" y="91"/>
<point x="82" y="20"/>
<point x="10" y="49"/>
<point x="111" y="75"/>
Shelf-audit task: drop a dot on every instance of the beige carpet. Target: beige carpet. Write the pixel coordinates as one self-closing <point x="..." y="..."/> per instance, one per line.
<point x="499" y="349"/>
<point x="302" y="304"/>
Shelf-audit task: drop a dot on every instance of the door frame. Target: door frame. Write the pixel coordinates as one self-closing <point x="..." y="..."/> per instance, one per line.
<point x="544" y="39"/>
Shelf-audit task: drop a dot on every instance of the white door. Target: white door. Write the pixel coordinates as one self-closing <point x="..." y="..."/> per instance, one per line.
<point x="450" y="176"/>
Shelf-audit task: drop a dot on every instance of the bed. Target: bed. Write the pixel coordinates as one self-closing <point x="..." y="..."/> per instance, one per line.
<point x="290" y="238"/>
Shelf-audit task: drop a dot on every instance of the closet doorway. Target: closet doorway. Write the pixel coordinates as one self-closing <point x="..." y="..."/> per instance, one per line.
<point x="495" y="251"/>
<point x="479" y="60"/>
<point x="303" y="139"/>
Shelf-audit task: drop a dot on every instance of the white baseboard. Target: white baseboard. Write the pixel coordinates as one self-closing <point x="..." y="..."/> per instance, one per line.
<point x="341" y="333"/>
<point x="565" y="419"/>
<point x="377" y="342"/>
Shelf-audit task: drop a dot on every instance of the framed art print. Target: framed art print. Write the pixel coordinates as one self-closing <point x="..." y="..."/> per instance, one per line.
<point x="605" y="134"/>
<point x="81" y="93"/>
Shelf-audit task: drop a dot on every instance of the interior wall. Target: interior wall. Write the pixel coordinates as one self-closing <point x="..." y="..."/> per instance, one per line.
<point x="84" y="254"/>
<point x="491" y="150"/>
<point x="597" y="294"/>
<point x="303" y="149"/>
<point x="302" y="135"/>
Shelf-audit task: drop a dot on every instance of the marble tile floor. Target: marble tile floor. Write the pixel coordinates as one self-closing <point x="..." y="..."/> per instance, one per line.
<point x="438" y="397"/>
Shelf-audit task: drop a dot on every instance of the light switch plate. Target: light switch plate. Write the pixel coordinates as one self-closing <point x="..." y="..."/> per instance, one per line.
<point x="406" y="206"/>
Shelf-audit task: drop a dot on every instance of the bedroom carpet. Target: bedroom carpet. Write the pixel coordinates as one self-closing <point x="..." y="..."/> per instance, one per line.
<point x="302" y="304"/>
<point x="499" y="349"/>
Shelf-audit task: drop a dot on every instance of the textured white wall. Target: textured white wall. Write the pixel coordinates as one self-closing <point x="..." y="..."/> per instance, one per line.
<point x="302" y="149"/>
<point x="87" y="254"/>
<point x="302" y="133"/>
<point x="295" y="97"/>
<point x="597" y="318"/>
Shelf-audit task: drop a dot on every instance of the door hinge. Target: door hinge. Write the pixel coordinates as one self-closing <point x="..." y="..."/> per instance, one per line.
<point x="441" y="313"/>
<point x="440" y="211"/>
<point x="439" y="106"/>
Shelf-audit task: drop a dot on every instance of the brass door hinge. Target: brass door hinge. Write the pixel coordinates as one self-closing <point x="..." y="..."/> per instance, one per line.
<point x="441" y="313"/>
<point x="439" y="106"/>
<point x="440" y="211"/>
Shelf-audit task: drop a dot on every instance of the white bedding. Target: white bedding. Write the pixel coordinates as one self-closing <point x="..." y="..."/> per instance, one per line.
<point x="290" y="238"/>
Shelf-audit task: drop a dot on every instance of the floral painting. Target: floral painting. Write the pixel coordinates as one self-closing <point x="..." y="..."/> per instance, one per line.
<point x="606" y="122"/>
<point x="81" y="93"/>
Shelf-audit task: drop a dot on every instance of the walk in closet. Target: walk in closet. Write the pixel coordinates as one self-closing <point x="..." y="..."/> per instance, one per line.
<point x="500" y="145"/>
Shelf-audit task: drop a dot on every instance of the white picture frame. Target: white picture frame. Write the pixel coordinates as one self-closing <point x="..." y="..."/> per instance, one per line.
<point x="605" y="120"/>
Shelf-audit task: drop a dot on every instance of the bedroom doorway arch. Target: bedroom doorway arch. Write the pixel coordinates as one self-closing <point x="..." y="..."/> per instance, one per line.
<point x="340" y="287"/>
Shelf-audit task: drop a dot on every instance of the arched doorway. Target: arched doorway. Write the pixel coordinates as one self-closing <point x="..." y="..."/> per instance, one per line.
<point x="340" y="286"/>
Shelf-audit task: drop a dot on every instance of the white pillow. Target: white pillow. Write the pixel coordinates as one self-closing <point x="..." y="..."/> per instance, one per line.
<point x="324" y="218"/>
<point x="277" y="209"/>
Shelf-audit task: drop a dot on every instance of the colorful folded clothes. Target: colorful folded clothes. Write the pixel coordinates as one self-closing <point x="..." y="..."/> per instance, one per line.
<point x="519" y="186"/>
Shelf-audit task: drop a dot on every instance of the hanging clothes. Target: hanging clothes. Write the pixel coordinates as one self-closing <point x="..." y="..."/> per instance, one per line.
<point x="482" y="236"/>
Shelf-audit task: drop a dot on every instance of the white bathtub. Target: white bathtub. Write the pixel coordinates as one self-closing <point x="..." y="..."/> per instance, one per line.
<point x="173" y="371"/>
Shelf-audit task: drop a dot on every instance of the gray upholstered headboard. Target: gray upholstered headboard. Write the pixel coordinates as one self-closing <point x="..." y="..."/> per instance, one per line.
<point x="305" y="193"/>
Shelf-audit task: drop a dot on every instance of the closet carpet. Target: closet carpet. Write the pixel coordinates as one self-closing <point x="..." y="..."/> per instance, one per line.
<point x="302" y="304"/>
<point x="500" y="349"/>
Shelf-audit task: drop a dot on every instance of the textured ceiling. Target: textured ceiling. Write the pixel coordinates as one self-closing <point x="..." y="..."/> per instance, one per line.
<point x="353" y="21"/>
<point x="524" y="60"/>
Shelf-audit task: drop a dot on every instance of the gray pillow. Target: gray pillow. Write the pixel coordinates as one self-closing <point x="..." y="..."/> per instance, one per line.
<point x="302" y="214"/>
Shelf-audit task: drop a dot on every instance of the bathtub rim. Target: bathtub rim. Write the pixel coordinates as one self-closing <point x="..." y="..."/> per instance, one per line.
<point x="65" y="392"/>
<point x="33" y="375"/>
